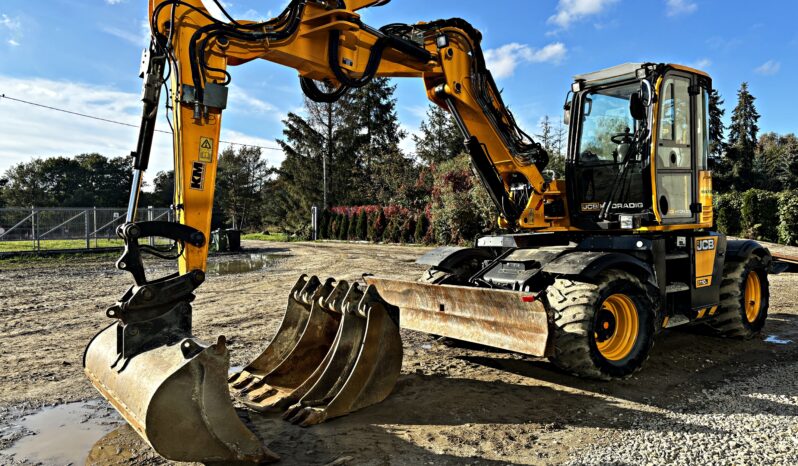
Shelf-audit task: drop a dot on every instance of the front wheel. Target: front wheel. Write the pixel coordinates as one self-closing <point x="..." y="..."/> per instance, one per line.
<point x="603" y="330"/>
<point x="744" y="299"/>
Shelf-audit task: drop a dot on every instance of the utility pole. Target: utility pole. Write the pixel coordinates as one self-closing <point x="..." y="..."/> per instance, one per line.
<point x="328" y="153"/>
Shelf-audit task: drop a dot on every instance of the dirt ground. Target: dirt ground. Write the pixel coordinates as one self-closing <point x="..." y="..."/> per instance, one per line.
<point x="452" y="405"/>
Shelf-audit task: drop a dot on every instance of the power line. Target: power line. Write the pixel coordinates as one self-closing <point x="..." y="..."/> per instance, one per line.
<point x="106" y="120"/>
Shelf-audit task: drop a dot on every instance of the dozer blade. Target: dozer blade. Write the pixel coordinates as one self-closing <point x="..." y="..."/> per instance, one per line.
<point x="509" y="320"/>
<point x="348" y="356"/>
<point x="175" y="397"/>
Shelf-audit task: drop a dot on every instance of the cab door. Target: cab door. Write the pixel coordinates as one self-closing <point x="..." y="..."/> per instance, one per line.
<point x="680" y="148"/>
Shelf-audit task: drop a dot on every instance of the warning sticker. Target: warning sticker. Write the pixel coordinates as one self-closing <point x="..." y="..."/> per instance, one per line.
<point x="197" y="176"/>
<point x="206" y="150"/>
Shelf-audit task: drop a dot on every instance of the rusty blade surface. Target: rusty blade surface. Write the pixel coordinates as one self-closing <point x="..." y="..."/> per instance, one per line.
<point x="176" y="398"/>
<point x="288" y="334"/>
<point x="496" y="318"/>
<point x="364" y="365"/>
<point x="289" y="380"/>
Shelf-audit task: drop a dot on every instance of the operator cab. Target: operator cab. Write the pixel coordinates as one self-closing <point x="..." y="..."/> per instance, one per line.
<point x="615" y="116"/>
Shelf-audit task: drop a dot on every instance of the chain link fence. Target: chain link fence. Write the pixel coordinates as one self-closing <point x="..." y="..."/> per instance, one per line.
<point x="37" y="229"/>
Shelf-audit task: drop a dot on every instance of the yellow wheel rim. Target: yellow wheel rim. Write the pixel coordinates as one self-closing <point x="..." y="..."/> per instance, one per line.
<point x="617" y="327"/>
<point x="753" y="296"/>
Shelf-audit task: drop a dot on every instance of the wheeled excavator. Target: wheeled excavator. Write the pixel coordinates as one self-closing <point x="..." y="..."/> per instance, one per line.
<point x="594" y="264"/>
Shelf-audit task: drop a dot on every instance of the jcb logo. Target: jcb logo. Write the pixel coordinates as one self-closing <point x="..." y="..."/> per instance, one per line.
<point x="591" y="206"/>
<point x="702" y="282"/>
<point x="705" y="244"/>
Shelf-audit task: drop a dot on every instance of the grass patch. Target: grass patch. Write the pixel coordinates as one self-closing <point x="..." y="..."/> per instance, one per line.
<point x="269" y="237"/>
<point x="51" y="244"/>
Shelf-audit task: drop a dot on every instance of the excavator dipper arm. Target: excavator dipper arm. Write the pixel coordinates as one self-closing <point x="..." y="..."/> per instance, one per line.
<point x="338" y="347"/>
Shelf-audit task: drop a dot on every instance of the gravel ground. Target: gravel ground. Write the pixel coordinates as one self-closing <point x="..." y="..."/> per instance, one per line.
<point x="749" y="421"/>
<point x="698" y="400"/>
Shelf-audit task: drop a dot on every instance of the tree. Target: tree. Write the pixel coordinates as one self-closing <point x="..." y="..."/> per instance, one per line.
<point x="440" y="140"/>
<point x="716" y="127"/>
<point x="82" y="181"/>
<point x="378" y="226"/>
<point x="362" y="225"/>
<point x="554" y="140"/>
<point x="163" y="189"/>
<point x="343" y="232"/>
<point x="776" y="162"/>
<point x="240" y="180"/>
<point x="743" y="139"/>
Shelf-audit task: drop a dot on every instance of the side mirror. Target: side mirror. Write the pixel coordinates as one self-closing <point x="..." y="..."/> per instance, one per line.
<point x="637" y="107"/>
<point x="646" y="93"/>
<point x="566" y="116"/>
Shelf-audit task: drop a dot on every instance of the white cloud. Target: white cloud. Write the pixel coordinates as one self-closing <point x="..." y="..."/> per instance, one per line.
<point x="114" y="2"/>
<point x="138" y="38"/>
<point x="680" y="7"/>
<point x="241" y="100"/>
<point x="13" y="28"/>
<point x="569" y="11"/>
<point x="37" y="132"/>
<point x="769" y="68"/>
<point x="502" y="61"/>
<point x="701" y="64"/>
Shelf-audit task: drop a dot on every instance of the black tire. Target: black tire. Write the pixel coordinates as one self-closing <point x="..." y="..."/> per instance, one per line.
<point x="576" y="308"/>
<point x="731" y="320"/>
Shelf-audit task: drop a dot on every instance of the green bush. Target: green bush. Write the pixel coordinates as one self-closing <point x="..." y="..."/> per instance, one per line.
<point x="760" y="214"/>
<point x="408" y="226"/>
<point x="324" y="225"/>
<point x="352" y="231"/>
<point x="362" y="225"/>
<point x="421" y="229"/>
<point x="788" y="218"/>
<point x="378" y="226"/>
<point x="343" y="231"/>
<point x="461" y="208"/>
<point x="727" y="213"/>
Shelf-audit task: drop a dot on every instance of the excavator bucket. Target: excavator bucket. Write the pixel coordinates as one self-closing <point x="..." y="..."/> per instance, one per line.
<point x="348" y="355"/>
<point x="509" y="320"/>
<point x="176" y="398"/>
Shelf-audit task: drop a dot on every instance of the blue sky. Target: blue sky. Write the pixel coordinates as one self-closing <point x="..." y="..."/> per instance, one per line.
<point x="84" y="55"/>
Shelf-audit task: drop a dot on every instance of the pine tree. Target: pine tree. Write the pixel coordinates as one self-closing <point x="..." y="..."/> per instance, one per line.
<point x="421" y="229"/>
<point x="378" y="226"/>
<point x="362" y="225"/>
<point x="352" y="233"/>
<point x="546" y="136"/>
<point x="343" y="232"/>
<point x="324" y="224"/>
<point x="743" y="139"/>
<point x="440" y="140"/>
<point x="716" y="127"/>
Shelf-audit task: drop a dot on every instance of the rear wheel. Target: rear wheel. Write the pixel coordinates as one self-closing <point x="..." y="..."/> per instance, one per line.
<point x="744" y="299"/>
<point x="603" y="330"/>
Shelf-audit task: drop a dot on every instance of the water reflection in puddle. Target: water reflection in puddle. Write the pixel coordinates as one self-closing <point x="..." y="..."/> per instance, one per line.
<point x="63" y="434"/>
<point x="777" y="340"/>
<point x="243" y="263"/>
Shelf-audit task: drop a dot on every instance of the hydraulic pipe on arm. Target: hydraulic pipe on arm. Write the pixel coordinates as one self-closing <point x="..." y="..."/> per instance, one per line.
<point x="173" y="389"/>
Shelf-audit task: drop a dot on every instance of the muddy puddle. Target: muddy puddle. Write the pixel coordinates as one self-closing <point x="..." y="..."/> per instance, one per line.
<point x="243" y="263"/>
<point x="62" y="434"/>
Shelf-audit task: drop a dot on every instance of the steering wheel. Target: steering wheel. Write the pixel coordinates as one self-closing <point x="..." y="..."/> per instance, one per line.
<point x="621" y="138"/>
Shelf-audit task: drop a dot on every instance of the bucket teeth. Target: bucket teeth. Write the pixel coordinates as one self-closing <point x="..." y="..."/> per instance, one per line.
<point x="347" y="356"/>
